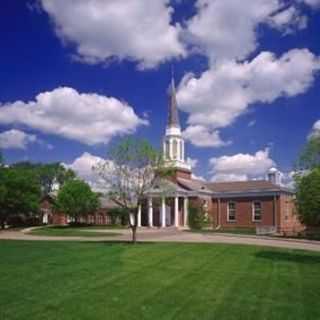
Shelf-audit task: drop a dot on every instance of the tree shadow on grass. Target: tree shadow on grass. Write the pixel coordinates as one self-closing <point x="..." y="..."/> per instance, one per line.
<point x="295" y="257"/>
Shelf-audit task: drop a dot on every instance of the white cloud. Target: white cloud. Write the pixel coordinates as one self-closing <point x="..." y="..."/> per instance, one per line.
<point x="315" y="132"/>
<point x="241" y="166"/>
<point x="86" y="117"/>
<point x="251" y="123"/>
<point x="192" y="162"/>
<point x="288" y="20"/>
<point x="223" y="93"/>
<point x="83" y="166"/>
<point x="16" y="139"/>
<point x="200" y="136"/>
<point x="138" y="30"/>
<point x="227" y="29"/>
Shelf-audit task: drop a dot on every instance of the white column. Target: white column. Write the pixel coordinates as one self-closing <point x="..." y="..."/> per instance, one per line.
<point x="150" y="212"/>
<point x="170" y="150"/>
<point x="131" y="217"/>
<point x="163" y="212"/>
<point x="185" y="211"/>
<point x="176" y="211"/>
<point x="139" y="216"/>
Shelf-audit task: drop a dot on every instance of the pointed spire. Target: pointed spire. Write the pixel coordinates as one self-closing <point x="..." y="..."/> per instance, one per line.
<point x="173" y="117"/>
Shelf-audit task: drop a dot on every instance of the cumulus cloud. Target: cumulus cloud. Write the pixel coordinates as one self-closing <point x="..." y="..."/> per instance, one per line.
<point x="241" y="167"/>
<point x="315" y="132"/>
<point x="223" y="93"/>
<point x="192" y="162"/>
<point x="138" y="30"/>
<point x="226" y="29"/>
<point x="83" y="167"/>
<point x="201" y="136"/>
<point x="86" y="117"/>
<point x="16" y="139"/>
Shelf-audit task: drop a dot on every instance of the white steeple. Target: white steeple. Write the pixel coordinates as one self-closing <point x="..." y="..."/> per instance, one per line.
<point x="173" y="142"/>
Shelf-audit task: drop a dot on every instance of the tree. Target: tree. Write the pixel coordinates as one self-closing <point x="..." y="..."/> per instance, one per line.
<point x="19" y="193"/>
<point x="48" y="174"/>
<point x="308" y="198"/>
<point x="310" y="155"/>
<point x="76" y="199"/>
<point x="307" y="182"/>
<point x="132" y="169"/>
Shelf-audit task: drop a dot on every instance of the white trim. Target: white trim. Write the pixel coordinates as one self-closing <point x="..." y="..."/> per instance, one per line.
<point x="253" y="210"/>
<point x="235" y="211"/>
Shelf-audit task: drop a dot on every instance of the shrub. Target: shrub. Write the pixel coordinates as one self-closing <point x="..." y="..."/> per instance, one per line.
<point x="197" y="218"/>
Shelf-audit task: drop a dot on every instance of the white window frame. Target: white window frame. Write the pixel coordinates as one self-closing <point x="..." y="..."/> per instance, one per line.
<point x="235" y="211"/>
<point x="253" y="211"/>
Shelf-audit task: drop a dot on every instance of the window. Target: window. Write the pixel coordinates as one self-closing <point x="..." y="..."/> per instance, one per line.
<point x="231" y="211"/>
<point x="256" y="211"/>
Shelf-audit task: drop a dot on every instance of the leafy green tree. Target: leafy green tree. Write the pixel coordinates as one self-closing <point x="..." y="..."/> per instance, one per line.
<point x="310" y="155"/>
<point x="132" y="169"/>
<point x="19" y="193"/>
<point x="117" y="214"/>
<point x="308" y="198"/>
<point x="48" y="174"/>
<point x="76" y="199"/>
<point x="197" y="218"/>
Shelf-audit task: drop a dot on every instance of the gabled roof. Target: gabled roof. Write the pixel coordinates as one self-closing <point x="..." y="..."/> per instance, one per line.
<point x="194" y="185"/>
<point x="107" y="203"/>
<point x="245" y="186"/>
<point x="232" y="187"/>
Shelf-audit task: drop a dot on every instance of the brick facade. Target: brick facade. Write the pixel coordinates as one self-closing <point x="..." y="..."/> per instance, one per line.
<point x="276" y="211"/>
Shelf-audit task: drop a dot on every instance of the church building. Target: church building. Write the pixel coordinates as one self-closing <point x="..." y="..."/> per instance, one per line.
<point x="256" y="204"/>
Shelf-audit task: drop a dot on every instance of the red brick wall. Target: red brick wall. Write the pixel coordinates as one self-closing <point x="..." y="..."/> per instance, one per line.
<point x="289" y="223"/>
<point x="244" y="212"/>
<point x="286" y="220"/>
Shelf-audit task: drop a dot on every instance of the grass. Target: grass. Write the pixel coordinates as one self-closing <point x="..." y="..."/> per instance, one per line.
<point x="67" y="231"/>
<point x="63" y="280"/>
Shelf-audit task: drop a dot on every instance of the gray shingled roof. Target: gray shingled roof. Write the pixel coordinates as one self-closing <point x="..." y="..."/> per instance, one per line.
<point x="193" y="185"/>
<point x="107" y="203"/>
<point x="244" y="186"/>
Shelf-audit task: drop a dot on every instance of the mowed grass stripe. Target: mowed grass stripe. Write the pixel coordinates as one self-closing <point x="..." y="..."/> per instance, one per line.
<point x="56" y="280"/>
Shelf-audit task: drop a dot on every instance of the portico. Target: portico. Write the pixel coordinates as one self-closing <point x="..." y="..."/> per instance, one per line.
<point x="164" y="211"/>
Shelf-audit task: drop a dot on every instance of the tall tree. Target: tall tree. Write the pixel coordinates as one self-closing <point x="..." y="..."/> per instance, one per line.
<point x="132" y="169"/>
<point x="48" y="174"/>
<point x="310" y="155"/>
<point x="76" y="199"/>
<point x="308" y="197"/>
<point x="19" y="193"/>
<point x="307" y="182"/>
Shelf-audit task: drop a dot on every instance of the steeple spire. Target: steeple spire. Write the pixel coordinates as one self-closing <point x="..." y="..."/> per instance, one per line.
<point x="173" y="117"/>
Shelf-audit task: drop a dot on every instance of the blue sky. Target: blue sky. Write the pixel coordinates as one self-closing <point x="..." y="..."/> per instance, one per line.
<point x="76" y="76"/>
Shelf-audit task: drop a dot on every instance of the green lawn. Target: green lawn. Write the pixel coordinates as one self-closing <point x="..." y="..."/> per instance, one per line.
<point x="63" y="280"/>
<point x="67" y="231"/>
